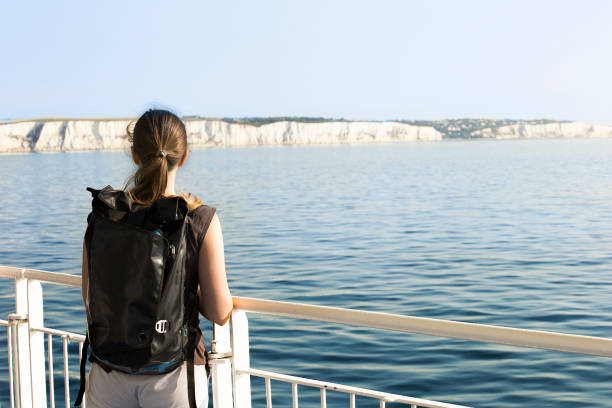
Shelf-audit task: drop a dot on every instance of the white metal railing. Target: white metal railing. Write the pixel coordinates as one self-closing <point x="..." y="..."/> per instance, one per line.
<point x="569" y="343"/>
<point x="229" y="357"/>
<point x="16" y="398"/>
<point x="25" y="340"/>
<point x="441" y="328"/>
<point x="383" y="397"/>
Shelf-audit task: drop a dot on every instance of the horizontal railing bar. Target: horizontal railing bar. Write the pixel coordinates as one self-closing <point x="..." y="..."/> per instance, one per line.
<point x="56" y="278"/>
<point x="4" y="323"/>
<point x="10" y="271"/>
<point x="347" y="389"/>
<point x="61" y="333"/>
<point x="434" y="327"/>
<point x="569" y="343"/>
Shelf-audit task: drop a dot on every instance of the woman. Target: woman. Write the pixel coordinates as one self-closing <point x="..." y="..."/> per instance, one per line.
<point x="159" y="149"/>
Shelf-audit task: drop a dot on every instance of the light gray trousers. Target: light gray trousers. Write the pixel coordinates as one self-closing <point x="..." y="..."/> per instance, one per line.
<point x="120" y="390"/>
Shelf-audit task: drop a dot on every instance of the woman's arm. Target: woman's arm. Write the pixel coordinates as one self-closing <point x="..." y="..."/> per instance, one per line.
<point x="214" y="295"/>
<point x="84" y="275"/>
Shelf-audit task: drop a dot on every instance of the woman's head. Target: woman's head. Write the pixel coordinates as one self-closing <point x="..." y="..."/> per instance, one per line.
<point x="159" y="145"/>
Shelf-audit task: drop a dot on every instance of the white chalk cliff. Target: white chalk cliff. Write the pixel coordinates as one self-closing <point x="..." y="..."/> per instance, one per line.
<point x="554" y="130"/>
<point x="110" y="134"/>
<point x="72" y="135"/>
<point x="63" y="135"/>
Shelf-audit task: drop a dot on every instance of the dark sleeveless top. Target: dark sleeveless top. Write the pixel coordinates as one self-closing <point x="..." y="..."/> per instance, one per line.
<point x="199" y="220"/>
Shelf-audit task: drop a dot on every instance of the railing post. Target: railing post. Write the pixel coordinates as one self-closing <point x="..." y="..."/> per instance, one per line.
<point x="37" y="344"/>
<point x="221" y="366"/>
<point x="240" y="348"/>
<point x="22" y="342"/>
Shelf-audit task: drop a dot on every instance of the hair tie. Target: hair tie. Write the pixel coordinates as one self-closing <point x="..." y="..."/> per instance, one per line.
<point x="161" y="153"/>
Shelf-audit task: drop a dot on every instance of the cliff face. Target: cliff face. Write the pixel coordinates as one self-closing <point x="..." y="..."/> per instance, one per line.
<point x="546" y="131"/>
<point x="71" y="135"/>
<point x="219" y="133"/>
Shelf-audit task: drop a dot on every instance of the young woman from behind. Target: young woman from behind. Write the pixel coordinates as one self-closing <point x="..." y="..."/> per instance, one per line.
<point x="159" y="149"/>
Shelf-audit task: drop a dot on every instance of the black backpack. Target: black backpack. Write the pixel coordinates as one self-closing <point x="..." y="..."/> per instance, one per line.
<point x="142" y="313"/>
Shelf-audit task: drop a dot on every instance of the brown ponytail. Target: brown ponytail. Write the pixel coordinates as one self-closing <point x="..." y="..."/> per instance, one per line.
<point x="159" y="142"/>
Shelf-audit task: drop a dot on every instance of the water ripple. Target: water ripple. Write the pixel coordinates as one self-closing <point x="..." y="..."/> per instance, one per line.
<point x="510" y="233"/>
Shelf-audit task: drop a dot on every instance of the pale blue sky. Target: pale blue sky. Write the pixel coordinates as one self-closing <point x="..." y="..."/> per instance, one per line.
<point x="351" y="59"/>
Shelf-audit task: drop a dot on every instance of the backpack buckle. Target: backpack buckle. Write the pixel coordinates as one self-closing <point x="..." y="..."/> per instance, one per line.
<point x="161" y="326"/>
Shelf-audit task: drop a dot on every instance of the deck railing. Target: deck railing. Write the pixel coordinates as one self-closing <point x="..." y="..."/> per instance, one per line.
<point x="229" y="357"/>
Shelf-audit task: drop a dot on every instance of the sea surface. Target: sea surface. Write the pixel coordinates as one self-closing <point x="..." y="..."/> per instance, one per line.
<point x="513" y="233"/>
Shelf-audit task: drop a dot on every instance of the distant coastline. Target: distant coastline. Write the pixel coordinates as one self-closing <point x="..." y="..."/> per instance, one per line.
<point x="82" y="134"/>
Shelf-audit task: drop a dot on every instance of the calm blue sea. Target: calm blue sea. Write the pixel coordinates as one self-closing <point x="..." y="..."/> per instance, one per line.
<point x="514" y="233"/>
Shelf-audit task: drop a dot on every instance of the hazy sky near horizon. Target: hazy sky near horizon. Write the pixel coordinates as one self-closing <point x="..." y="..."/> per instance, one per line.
<point x="350" y="59"/>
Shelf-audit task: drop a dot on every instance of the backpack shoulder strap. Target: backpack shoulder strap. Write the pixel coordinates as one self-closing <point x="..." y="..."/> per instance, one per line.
<point x="190" y="379"/>
<point x="79" y="398"/>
